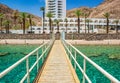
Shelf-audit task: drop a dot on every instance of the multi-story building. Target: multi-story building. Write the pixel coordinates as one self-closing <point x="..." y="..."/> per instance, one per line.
<point x="56" y="7"/>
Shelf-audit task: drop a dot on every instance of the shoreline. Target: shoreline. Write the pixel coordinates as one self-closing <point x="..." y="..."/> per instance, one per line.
<point x="22" y="41"/>
<point x="95" y="42"/>
<point x="74" y="42"/>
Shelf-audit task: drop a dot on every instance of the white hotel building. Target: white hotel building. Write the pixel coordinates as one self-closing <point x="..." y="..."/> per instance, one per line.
<point x="58" y="9"/>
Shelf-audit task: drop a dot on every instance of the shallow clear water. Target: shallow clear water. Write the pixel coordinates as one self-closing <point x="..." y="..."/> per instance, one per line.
<point x="13" y="53"/>
<point x="16" y="52"/>
<point x="100" y="55"/>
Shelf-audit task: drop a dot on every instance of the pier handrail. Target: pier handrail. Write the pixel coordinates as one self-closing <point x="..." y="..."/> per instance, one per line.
<point x="46" y="47"/>
<point x="69" y="46"/>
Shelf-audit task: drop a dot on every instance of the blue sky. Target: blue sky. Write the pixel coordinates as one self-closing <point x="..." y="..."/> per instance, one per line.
<point x="33" y="6"/>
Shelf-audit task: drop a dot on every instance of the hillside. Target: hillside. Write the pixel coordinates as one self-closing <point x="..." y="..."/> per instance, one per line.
<point x="8" y="12"/>
<point x="111" y="6"/>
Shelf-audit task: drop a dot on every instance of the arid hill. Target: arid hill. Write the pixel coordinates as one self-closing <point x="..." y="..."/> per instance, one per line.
<point x="8" y="14"/>
<point x="110" y="6"/>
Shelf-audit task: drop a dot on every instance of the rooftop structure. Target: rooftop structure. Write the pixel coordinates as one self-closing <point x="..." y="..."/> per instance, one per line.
<point x="56" y="7"/>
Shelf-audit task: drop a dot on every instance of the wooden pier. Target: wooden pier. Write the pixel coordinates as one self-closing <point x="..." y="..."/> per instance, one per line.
<point x="57" y="68"/>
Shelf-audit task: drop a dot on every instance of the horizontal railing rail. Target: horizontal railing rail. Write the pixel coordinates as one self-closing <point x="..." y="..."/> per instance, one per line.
<point x="45" y="47"/>
<point x="69" y="46"/>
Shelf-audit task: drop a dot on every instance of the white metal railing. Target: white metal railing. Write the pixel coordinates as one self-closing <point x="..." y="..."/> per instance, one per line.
<point x="45" y="48"/>
<point x="69" y="46"/>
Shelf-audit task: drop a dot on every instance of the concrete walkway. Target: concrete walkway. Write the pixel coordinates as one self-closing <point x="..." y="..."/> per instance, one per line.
<point x="58" y="68"/>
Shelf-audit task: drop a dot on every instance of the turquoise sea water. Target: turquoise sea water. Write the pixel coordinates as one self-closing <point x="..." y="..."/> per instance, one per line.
<point x="16" y="52"/>
<point x="13" y="53"/>
<point x="102" y="56"/>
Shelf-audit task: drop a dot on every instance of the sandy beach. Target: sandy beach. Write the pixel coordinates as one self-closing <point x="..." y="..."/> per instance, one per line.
<point x="97" y="42"/>
<point x="22" y="41"/>
<point x="76" y="42"/>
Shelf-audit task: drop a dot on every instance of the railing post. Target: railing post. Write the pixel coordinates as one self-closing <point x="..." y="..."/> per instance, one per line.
<point x="74" y="62"/>
<point x="71" y="53"/>
<point x="68" y="51"/>
<point x="43" y="55"/>
<point x="45" y="49"/>
<point x="27" y="68"/>
<point x="84" y="68"/>
<point x="111" y="82"/>
<point x="37" y="60"/>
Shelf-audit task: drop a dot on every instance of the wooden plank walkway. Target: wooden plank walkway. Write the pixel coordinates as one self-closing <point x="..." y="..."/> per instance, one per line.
<point x="57" y="68"/>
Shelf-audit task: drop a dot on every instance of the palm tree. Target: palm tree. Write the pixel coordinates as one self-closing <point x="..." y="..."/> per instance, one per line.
<point x="85" y="16"/>
<point x="78" y="14"/>
<point x="7" y="26"/>
<point x="107" y="15"/>
<point x="116" y="21"/>
<point x="33" y="23"/>
<point x="15" y="16"/>
<point x="20" y="22"/>
<point x="57" y="23"/>
<point x="88" y="21"/>
<point x="23" y="16"/>
<point x="30" y="21"/>
<point x="52" y="26"/>
<point x="43" y="10"/>
<point x="1" y="20"/>
<point x="49" y="15"/>
<point x="66" y="24"/>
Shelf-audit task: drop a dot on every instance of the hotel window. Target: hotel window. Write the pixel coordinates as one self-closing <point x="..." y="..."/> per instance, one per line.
<point x="62" y="28"/>
<point x="45" y="28"/>
<point x="45" y="24"/>
<point x="68" y="29"/>
<point x="76" y="20"/>
<point x="71" y="25"/>
<point x="96" y="21"/>
<point x="71" y="20"/>
<point x="33" y="28"/>
<point x="38" y="28"/>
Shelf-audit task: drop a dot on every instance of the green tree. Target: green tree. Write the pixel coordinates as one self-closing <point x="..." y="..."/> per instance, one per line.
<point x="7" y="26"/>
<point x="15" y="16"/>
<point x="20" y="22"/>
<point x="33" y="23"/>
<point x="27" y="24"/>
<point x="23" y="16"/>
<point x="30" y="21"/>
<point x="78" y="14"/>
<point x="116" y="22"/>
<point x="43" y="10"/>
<point x="88" y="24"/>
<point x="85" y="16"/>
<point x="66" y="21"/>
<point x="1" y="20"/>
<point x="49" y="15"/>
<point x="107" y="15"/>
<point x="57" y="23"/>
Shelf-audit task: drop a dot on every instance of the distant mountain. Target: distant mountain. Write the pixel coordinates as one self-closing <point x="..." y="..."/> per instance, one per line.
<point x="111" y="6"/>
<point x="8" y="12"/>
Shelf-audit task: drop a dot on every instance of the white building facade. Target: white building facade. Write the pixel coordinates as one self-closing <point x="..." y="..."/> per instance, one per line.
<point x="72" y="25"/>
<point x="56" y="7"/>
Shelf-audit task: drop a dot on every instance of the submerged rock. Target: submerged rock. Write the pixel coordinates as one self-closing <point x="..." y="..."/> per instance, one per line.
<point x="114" y="56"/>
<point x="3" y="54"/>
